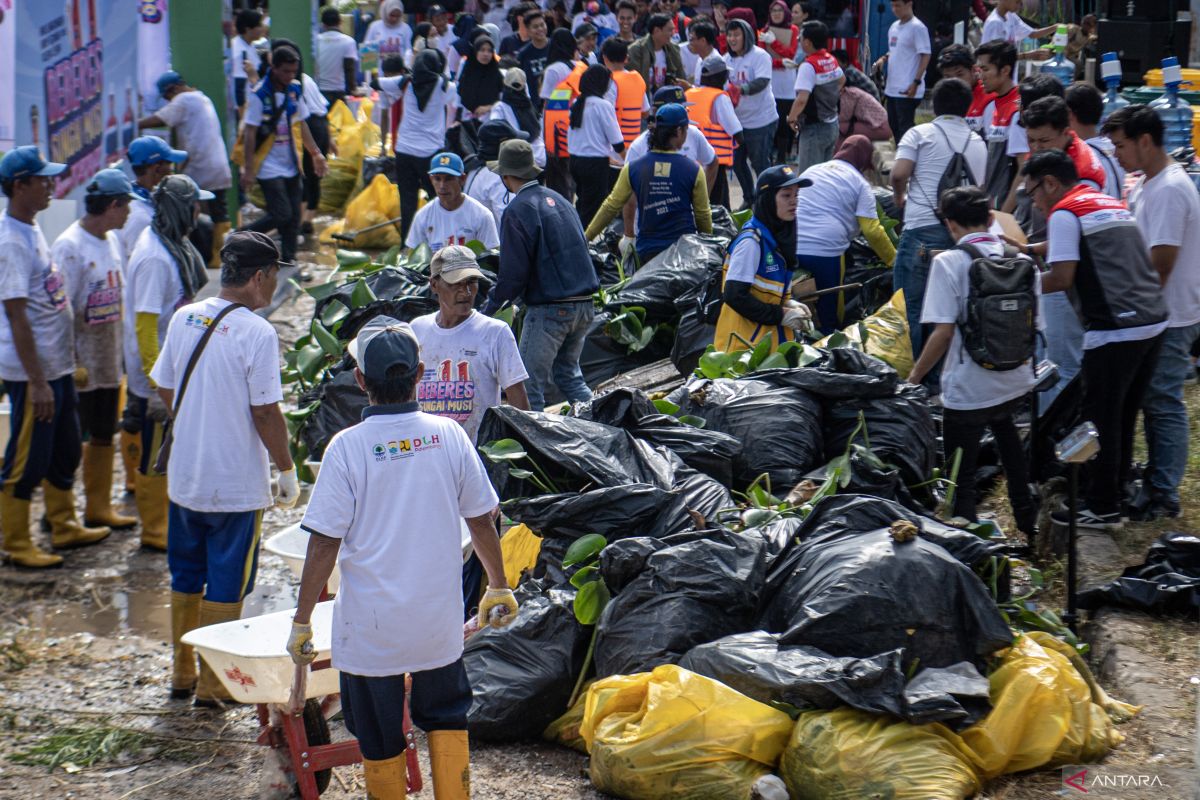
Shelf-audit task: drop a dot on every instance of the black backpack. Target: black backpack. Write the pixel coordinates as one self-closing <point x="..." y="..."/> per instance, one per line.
<point x="1000" y="328"/>
<point x="958" y="171"/>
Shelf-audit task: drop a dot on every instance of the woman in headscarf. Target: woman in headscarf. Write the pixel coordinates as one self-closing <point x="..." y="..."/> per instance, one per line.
<point x="427" y="103"/>
<point x="165" y="271"/>
<point x="756" y="296"/>
<point x="594" y="140"/>
<point x="781" y="39"/>
<point x="480" y="82"/>
<point x="390" y="31"/>
<point x="515" y="108"/>
<point x="839" y="205"/>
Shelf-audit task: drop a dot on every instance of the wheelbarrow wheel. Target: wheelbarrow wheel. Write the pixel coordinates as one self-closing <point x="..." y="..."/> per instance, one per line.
<point x="317" y="731"/>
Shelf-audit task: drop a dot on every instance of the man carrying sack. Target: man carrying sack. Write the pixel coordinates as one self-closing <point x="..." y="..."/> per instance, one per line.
<point x="395" y="489"/>
<point x="218" y="373"/>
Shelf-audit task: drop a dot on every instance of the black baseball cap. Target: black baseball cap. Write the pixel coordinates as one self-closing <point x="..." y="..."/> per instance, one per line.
<point x="249" y="249"/>
<point x="385" y="342"/>
<point x="778" y="177"/>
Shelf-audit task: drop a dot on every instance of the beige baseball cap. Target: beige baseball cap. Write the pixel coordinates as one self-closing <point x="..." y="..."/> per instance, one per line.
<point x="454" y="264"/>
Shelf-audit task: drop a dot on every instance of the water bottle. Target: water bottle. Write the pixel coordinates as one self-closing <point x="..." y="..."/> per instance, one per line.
<point x="1110" y="70"/>
<point x="1175" y="113"/>
<point x="1059" y="66"/>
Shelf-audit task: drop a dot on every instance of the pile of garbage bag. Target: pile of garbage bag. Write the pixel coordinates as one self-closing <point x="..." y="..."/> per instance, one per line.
<point x="1168" y="582"/>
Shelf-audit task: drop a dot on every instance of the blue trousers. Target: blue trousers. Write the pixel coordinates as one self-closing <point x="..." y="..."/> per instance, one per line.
<point x="38" y="450"/>
<point x="827" y="271"/>
<point x="911" y="271"/>
<point x="374" y="707"/>
<point x="755" y="152"/>
<point x="1165" y="415"/>
<point x="213" y="552"/>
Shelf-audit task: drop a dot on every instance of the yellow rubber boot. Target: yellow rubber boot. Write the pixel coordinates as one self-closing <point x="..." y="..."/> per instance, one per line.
<point x="97" y="487"/>
<point x="151" y="498"/>
<point x="131" y="457"/>
<point x="185" y="617"/>
<point x="210" y="692"/>
<point x="387" y="779"/>
<point x="18" y="544"/>
<point x="65" y="530"/>
<point x="450" y="763"/>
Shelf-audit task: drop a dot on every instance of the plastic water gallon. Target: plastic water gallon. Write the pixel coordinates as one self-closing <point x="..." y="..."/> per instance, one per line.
<point x="1059" y="66"/>
<point x="1110" y="70"/>
<point x="1175" y="113"/>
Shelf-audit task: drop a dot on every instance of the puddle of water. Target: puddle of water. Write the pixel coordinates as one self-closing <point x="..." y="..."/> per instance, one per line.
<point x="138" y="612"/>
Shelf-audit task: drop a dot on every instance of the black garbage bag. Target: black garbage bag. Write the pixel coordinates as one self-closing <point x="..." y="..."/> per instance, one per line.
<point x="956" y="694"/>
<point x="388" y="283"/>
<point x="575" y="453"/>
<point x="899" y="428"/>
<point x="757" y="666"/>
<point x="603" y="358"/>
<point x="856" y="592"/>
<point x="843" y="374"/>
<point x="1168" y="582"/>
<point x="692" y="338"/>
<point x="610" y="511"/>
<point x="379" y="165"/>
<point x="672" y="273"/>
<point x="522" y="675"/>
<point x="703" y="585"/>
<point x="723" y="226"/>
<point x="710" y="452"/>
<point x="691" y="493"/>
<point x="625" y="559"/>
<point x="778" y="534"/>
<point x="867" y="477"/>
<point x="342" y="404"/>
<point x="405" y="309"/>
<point x="779" y="427"/>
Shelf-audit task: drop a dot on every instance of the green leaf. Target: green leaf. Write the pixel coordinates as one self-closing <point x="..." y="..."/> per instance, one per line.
<point x="503" y="450"/>
<point x="289" y="358"/>
<point x="328" y="343"/>
<point x="520" y="474"/>
<point x="506" y="315"/>
<point x="302" y="413"/>
<point x="693" y="420"/>
<point x="476" y="246"/>
<point x="665" y="406"/>
<point x="761" y="350"/>
<point x="585" y="548"/>
<point x="808" y="355"/>
<point x="362" y="294"/>
<point x="1036" y="578"/>
<point x="335" y="311"/>
<point x="776" y="360"/>
<point x="350" y="259"/>
<point x="289" y="376"/>
<point x="756" y="517"/>
<point x="759" y="496"/>
<point x="585" y="575"/>
<point x="590" y="602"/>
<point x="392" y="257"/>
<point x="310" y="361"/>
<point x="320" y="291"/>
<point x="419" y="258"/>
<point x="838" y="339"/>
<point x="713" y="363"/>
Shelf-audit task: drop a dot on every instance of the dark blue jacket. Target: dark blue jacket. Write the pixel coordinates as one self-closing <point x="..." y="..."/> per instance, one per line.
<point x="543" y="255"/>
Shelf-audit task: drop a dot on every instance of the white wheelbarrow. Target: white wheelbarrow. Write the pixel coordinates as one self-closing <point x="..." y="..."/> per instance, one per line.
<point x="250" y="658"/>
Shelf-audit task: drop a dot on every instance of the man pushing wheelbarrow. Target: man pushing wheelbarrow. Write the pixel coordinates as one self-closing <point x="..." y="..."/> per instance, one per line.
<point x="390" y="495"/>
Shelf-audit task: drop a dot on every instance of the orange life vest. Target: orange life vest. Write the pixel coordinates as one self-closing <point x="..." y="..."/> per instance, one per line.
<point x="700" y="113"/>
<point x="556" y="116"/>
<point x="631" y="92"/>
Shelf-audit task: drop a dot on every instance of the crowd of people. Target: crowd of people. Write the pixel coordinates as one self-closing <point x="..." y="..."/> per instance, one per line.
<point x="537" y="130"/>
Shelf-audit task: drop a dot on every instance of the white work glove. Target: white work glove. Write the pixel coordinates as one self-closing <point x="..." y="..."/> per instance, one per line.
<point x="503" y="602"/>
<point x="767" y="37"/>
<point x="289" y="489"/>
<point x="790" y="63"/>
<point x="299" y="645"/>
<point x="798" y="319"/>
<point x="624" y="245"/>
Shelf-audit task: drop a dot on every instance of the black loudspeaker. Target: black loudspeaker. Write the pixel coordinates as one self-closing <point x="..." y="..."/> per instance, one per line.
<point x="1142" y="45"/>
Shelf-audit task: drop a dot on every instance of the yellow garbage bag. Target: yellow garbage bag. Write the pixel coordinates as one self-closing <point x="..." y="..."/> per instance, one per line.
<point x="344" y="175"/>
<point x="1045" y="711"/>
<point x="887" y="335"/>
<point x="847" y="754"/>
<point x="671" y="734"/>
<point x="520" y="547"/>
<point x="379" y="202"/>
<point x="565" y="729"/>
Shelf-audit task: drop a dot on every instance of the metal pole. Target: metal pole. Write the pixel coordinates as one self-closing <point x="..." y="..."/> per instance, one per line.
<point x="1071" y="617"/>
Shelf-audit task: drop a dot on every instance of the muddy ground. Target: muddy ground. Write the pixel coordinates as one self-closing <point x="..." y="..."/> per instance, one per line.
<point x="84" y="661"/>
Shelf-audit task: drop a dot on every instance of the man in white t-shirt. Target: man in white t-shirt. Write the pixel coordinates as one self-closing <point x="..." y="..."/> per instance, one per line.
<point x="272" y="108"/>
<point x="1005" y="24"/>
<point x="907" y="57"/>
<point x="37" y="365"/>
<point x="227" y="422"/>
<point x="89" y="254"/>
<point x="1167" y="209"/>
<point x="391" y="496"/>
<point x="974" y="398"/>
<point x="164" y="272"/>
<point x="453" y="218"/>
<point x="151" y="160"/>
<point x="337" y="58"/>
<point x="193" y="118"/>
<point x="921" y="160"/>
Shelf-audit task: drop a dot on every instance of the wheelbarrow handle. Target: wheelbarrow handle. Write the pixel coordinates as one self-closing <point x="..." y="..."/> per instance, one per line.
<point x="829" y="290"/>
<point x="352" y="235"/>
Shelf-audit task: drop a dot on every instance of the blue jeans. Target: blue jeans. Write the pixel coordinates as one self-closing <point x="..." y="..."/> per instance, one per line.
<point x="815" y="145"/>
<point x="1166" y="417"/>
<point x="911" y="271"/>
<point x="552" y="338"/>
<point x="757" y="145"/>
<point x="1064" y="343"/>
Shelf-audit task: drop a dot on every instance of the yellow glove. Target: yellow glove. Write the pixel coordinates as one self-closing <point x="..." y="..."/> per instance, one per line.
<point x="498" y="608"/>
<point x="81" y="377"/>
<point x="299" y="645"/>
<point x="146" y="327"/>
